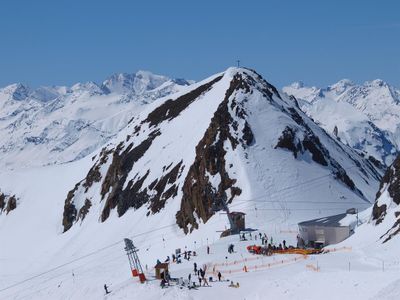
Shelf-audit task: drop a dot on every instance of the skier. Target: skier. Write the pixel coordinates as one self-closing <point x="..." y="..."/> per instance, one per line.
<point x="219" y="276"/>
<point x="106" y="288"/>
<point x="208" y="249"/>
<point x="195" y="268"/>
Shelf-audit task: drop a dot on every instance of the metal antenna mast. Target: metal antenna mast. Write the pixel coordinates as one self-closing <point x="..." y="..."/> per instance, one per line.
<point x="134" y="261"/>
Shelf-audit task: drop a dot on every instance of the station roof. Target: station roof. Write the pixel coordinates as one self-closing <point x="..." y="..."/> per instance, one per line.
<point x="330" y="221"/>
<point x="161" y="266"/>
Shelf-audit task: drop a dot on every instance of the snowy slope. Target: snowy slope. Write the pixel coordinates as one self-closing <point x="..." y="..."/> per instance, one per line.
<point x="234" y="138"/>
<point x="51" y="125"/>
<point x="366" y="116"/>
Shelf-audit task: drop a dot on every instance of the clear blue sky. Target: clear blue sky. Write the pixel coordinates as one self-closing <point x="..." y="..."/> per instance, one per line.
<point x="57" y="42"/>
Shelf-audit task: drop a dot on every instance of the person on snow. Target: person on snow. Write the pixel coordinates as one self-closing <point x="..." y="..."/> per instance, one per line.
<point x="163" y="282"/>
<point x="167" y="260"/>
<point x="205" y="282"/>
<point x="106" y="289"/>
<point x="208" y="249"/>
<point x="219" y="276"/>
<point x="195" y="268"/>
<point x="190" y="278"/>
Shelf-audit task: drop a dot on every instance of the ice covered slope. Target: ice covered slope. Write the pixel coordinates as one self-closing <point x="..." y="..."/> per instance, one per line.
<point x="230" y="140"/>
<point x="51" y="125"/>
<point x="366" y="116"/>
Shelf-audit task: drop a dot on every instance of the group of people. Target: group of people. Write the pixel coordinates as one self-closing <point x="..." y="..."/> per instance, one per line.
<point x="264" y="241"/>
<point x="178" y="257"/>
<point x="165" y="279"/>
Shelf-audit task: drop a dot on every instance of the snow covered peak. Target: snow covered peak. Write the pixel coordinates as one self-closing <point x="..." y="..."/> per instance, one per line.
<point x="136" y="83"/>
<point x="376" y="83"/>
<point x="16" y="91"/>
<point x="341" y="86"/>
<point x="90" y="87"/>
<point x="297" y="84"/>
<point x="193" y="153"/>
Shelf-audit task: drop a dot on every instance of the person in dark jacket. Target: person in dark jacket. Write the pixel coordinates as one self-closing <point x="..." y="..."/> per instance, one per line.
<point x="219" y="276"/>
<point x="106" y="288"/>
<point x="195" y="268"/>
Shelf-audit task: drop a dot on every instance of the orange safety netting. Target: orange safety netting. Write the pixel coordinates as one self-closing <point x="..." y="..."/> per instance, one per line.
<point x="246" y="268"/>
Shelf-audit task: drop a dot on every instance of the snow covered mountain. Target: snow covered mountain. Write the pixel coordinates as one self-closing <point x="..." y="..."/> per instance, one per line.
<point x="51" y="125"/>
<point x="231" y="140"/>
<point x="366" y="117"/>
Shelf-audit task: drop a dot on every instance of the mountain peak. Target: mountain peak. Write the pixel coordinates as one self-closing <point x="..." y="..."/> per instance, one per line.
<point x="376" y="83"/>
<point x="341" y="85"/>
<point x="297" y="85"/>
<point x="17" y="91"/>
<point x="136" y="83"/>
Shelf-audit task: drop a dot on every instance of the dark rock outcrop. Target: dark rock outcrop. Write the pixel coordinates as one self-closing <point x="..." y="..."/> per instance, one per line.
<point x="7" y="203"/>
<point x="200" y="198"/>
<point x="390" y="183"/>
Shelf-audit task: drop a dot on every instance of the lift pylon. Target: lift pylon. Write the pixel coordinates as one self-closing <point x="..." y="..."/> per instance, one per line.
<point x="134" y="262"/>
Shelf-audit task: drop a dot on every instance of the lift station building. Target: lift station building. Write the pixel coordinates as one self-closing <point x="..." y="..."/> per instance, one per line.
<point x="328" y="230"/>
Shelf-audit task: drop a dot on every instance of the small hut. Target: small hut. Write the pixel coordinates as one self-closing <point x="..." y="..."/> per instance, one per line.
<point x="161" y="269"/>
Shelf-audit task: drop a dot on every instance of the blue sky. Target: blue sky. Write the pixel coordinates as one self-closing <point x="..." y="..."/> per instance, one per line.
<point x="48" y="42"/>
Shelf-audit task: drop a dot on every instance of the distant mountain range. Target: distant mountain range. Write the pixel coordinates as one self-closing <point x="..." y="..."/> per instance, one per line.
<point x="365" y="117"/>
<point x="57" y="124"/>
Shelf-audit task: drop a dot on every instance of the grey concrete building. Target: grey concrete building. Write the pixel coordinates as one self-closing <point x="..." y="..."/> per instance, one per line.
<point x="328" y="230"/>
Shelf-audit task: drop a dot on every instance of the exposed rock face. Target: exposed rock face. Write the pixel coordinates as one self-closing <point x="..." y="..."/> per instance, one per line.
<point x="200" y="198"/>
<point x="7" y="203"/>
<point x="391" y="184"/>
